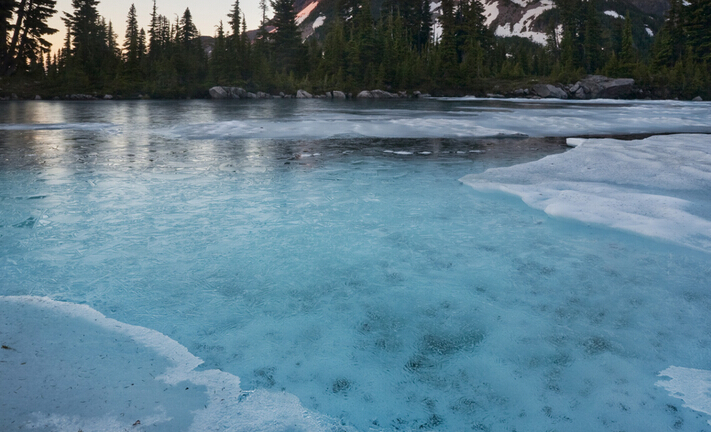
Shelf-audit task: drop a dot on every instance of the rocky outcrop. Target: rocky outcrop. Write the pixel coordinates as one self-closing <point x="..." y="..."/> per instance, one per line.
<point x="219" y="92"/>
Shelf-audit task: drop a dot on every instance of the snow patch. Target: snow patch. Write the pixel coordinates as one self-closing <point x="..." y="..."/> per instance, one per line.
<point x="318" y="22"/>
<point x="649" y="31"/>
<point x="693" y="386"/>
<point x="491" y="12"/>
<point x="305" y="12"/>
<point x="522" y="27"/>
<point x="613" y="14"/>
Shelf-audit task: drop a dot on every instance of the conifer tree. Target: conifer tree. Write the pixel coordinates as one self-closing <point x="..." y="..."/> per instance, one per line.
<point x="28" y="46"/>
<point x="6" y="9"/>
<point x="286" y="39"/>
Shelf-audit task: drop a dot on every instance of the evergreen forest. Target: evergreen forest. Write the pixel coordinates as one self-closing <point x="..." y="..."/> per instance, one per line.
<point x="392" y="46"/>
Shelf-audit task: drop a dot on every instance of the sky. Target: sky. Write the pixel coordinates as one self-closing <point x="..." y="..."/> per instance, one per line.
<point x="206" y="14"/>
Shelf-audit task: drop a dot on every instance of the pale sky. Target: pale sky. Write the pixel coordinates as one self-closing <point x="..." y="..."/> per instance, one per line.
<point x="206" y="14"/>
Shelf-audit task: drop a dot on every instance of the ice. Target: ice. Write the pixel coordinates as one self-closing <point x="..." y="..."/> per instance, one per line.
<point x="693" y="386"/>
<point x="629" y="185"/>
<point x="103" y="366"/>
<point x="462" y="117"/>
<point x="348" y="281"/>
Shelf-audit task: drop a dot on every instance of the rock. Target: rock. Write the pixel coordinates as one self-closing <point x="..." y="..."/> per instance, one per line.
<point x="598" y="86"/>
<point x="38" y="97"/>
<point x="329" y="95"/>
<point x="416" y="94"/>
<point x="402" y="94"/>
<point x="108" y="97"/>
<point x="282" y="95"/>
<point x="303" y="94"/>
<point x="262" y="95"/>
<point x="382" y="94"/>
<point x="337" y="94"/>
<point x="218" y="92"/>
<point x="365" y="94"/>
<point x="580" y="93"/>
<point x="14" y="97"/>
<point x="616" y="88"/>
<point x="521" y="92"/>
<point x="697" y="99"/>
<point x="494" y="96"/>
<point x="251" y="95"/>
<point x="549" y="91"/>
<point x="237" y="92"/>
<point x="574" y="88"/>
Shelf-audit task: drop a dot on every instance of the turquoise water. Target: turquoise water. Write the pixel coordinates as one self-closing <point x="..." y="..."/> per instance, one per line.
<point x="351" y="268"/>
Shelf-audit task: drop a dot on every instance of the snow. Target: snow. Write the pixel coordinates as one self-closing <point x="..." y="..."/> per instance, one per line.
<point x="693" y="386"/>
<point x="649" y="31"/>
<point x="318" y="22"/>
<point x="305" y="12"/>
<point x="491" y="11"/>
<point x="613" y="14"/>
<point x="647" y="187"/>
<point x="522" y="27"/>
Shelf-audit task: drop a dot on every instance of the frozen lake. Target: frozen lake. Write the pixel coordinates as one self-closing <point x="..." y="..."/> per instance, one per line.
<point x="302" y="265"/>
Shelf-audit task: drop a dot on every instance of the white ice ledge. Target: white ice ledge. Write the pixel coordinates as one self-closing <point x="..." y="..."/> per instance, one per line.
<point x="653" y="187"/>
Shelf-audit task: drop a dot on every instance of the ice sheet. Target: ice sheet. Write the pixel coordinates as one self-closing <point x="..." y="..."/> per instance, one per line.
<point x="631" y="185"/>
<point x="693" y="386"/>
<point x="75" y="369"/>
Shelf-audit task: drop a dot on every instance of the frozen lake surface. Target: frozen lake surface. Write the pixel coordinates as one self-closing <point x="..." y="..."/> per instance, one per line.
<point x="310" y="265"/>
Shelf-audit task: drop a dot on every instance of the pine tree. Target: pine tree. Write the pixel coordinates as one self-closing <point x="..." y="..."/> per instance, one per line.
<point x="28" y="45"/>
<point x="131" y="41"/>
<point x="698" y="29"/>
<point x="286" y="39"/>
<point x="6" y="9"/>
<point x="87" y="38"/>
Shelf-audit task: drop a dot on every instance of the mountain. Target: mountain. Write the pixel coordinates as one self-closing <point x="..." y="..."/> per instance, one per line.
<point x="523" y="18"/>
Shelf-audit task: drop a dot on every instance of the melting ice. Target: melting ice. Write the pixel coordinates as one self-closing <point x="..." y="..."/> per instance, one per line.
<point x="307" y="265"/>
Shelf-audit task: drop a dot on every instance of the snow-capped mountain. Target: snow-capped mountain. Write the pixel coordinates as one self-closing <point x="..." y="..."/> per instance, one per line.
<point x="525" y="18"/>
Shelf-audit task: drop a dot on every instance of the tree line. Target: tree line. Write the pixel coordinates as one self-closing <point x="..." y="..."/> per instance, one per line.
<point x="396" y="46"/>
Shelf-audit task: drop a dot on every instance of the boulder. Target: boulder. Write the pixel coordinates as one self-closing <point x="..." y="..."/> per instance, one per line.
<point x="697" y="99"/>
<point x="38" y="97"/>
<point x="365" y="94"/>
<point x="237" y="92"/>
<point x="218" y="92"/>
<point x="262" y="95"/>
<point x="337" y="94"/>
<point x="251" y="95"/>
<point x="303" y="94"/>
<point x="382" y="94"/>
<point x="617" y="88"/>
<point x="598" y="86"/>
<point x="549" y="91"/>
<point x="108" y="97"/>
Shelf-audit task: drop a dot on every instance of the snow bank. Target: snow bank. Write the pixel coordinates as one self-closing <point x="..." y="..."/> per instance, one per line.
<point x="72" y="368"/>
<point x="655" y="187"/>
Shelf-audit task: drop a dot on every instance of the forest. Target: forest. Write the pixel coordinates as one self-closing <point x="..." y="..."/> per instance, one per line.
<point x="392" y="47"/>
